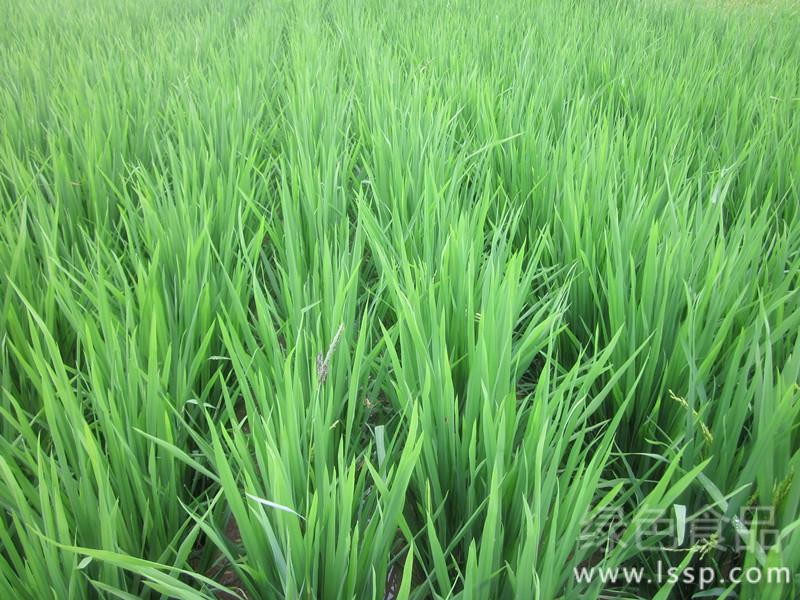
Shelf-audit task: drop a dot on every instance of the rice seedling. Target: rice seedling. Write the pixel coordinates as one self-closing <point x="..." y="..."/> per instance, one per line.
<point x="451" y="300"/>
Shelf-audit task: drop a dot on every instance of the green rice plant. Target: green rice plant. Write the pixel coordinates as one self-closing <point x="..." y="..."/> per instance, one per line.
<point x="334" y="299"/>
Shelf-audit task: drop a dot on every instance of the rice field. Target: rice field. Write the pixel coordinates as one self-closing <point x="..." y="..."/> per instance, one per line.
<point x="448" y="299"/>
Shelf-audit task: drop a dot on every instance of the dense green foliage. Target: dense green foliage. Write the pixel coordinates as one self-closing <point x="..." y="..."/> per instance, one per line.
<point x="350" y="299"/>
